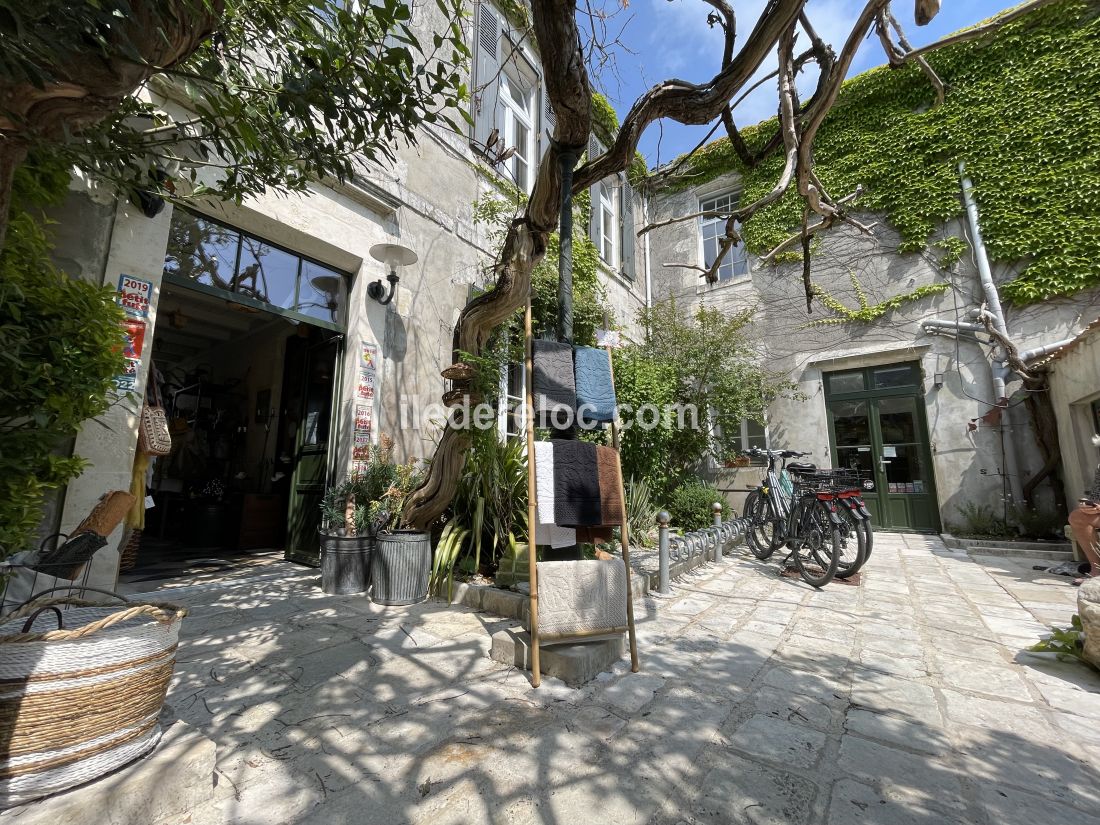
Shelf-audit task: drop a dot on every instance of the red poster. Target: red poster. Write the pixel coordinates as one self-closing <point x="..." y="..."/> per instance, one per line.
<point x="133" y="337"/>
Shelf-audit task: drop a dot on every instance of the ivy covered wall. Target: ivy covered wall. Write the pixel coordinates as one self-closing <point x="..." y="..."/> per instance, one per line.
<point x="1022" y="113"/>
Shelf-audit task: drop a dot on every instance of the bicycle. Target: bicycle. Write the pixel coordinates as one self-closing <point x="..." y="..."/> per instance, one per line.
<point x="789" y="510"/>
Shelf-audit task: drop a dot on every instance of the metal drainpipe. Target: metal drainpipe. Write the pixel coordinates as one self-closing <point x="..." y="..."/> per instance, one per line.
<point x="648" y="275"/>
<point x="999" y="372"/>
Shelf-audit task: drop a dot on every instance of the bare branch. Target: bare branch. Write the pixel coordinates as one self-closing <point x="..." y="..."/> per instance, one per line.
<point x="980" y="31"/>
<point x="897" y="56"/>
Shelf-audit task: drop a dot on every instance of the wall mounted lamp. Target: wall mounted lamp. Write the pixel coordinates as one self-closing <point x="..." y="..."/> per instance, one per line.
<point x="393" y="256"/>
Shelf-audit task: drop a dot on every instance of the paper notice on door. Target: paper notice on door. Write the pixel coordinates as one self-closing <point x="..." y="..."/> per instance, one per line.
<point x="863" y="449"/>
<point x="889" y="452"/>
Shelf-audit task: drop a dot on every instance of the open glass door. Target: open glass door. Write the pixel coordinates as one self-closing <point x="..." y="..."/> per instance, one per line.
<point x="317" y="364"/>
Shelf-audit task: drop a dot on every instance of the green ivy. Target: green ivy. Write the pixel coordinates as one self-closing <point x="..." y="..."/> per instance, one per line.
<point x="605" y="125"/>
<point x="61" y="346"/>
<point x="1021" y="112"/>
<point x="868" y="313"/>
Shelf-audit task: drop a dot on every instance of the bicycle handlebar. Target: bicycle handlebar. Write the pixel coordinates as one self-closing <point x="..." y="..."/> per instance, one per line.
<point x="757" y="452"/>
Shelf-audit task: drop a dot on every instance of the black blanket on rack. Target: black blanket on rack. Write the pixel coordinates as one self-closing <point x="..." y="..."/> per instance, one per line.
<point x="576" y="484"/>
<point x="555" y="392"/>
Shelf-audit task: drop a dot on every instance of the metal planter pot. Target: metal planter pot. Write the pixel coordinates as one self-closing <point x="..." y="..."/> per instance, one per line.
<point x="400" y="567"/>
<point x="346" y="564"/>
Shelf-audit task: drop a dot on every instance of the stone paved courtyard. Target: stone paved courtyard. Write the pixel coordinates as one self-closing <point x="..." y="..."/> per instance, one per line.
<point x="904" y="700"/>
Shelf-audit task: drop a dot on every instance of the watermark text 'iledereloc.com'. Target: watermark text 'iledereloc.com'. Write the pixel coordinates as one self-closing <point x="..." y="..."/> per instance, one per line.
<point x="415" y="415"/>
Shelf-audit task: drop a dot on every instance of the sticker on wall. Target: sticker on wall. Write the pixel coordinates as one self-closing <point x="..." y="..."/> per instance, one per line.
<point x="133" y="337"/>
<point x="135" y="295"/>
<point x="361" y="451"/>
<point x="364" y="409"/>
<point x="364" y="418"/>
<point x="126" y="381"/>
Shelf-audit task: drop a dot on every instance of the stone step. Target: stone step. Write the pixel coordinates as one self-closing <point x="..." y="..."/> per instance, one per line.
<point x="1055" y="546"/>
<point x="1052" y="556"/>
<point x="174" y="778"/>
<point x="574" y="664"/>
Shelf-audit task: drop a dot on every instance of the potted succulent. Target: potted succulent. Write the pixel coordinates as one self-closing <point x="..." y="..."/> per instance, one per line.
<point x="352" y="513"/>
<point x="401" y="563"/>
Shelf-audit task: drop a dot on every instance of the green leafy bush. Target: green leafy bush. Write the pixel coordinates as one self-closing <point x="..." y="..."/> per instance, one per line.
<point x="980" y="520"/>
<point x="690" y="505"/>
<point x="60" y="349"/>
<point x="1040" y="524"/>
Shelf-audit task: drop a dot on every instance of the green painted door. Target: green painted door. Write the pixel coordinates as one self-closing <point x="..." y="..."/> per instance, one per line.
<point x="877" y="424"/>
<point x="318" y="363"/>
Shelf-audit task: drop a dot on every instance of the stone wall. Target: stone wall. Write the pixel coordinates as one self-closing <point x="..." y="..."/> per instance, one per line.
<point x="968" y="464"/>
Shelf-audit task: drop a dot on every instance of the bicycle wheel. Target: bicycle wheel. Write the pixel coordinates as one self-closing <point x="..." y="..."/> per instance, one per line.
<point x="853" y="542"/>
<point x="818" y="545"/>
<point x="761" y="532"/>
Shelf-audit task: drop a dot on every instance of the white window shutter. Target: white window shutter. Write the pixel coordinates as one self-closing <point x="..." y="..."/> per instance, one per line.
<point x="486" y="74"/>
<point x="549" y="121"/>
<point x="595" y="149"/>
<point x="626" y="217"/>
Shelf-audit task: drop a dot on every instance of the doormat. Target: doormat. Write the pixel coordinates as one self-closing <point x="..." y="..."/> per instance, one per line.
<point x="792" y="573"/>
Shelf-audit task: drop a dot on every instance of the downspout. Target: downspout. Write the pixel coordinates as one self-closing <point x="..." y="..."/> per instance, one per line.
<point x="1000" y="373"/>
<point x="648" y="275"/>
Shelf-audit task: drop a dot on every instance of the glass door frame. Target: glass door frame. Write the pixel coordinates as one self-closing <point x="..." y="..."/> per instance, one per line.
<point x="872" y="395"/>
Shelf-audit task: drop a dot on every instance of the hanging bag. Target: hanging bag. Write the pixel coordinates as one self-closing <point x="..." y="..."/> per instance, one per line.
<point x="153" y="435"/>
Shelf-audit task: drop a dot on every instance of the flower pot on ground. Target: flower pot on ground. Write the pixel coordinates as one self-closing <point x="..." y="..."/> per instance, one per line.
<point x="400" y="567"/>
<point x="351" y="515"/>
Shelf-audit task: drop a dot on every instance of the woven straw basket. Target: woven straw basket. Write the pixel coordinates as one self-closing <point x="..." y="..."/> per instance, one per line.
<point x="78" y="702"/>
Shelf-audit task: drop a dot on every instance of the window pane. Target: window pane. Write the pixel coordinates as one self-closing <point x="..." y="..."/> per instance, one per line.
<point x="898" y="419"/>
<point x="321" y="293"/>
<point x="754" y="435"/>
<point x="201" y="250"/>
<point x="266" y="273"/>
<point x="846" y="382"/>
<point x="905" y="470"/>
<point x="886" y="378"/>
<point x="851" y="423"/>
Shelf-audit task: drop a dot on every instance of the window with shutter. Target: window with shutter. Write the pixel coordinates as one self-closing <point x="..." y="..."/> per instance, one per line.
<point x="486" y="75"/>
<point x="735" y="263"/>
<point x="627" y="229"/>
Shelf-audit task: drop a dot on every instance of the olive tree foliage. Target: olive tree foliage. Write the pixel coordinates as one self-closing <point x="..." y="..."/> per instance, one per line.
<point x="269" y="94"/>
<point x="556" y="27"/>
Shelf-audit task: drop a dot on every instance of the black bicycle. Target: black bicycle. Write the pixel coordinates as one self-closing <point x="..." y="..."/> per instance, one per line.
<point x="789" y="510"/>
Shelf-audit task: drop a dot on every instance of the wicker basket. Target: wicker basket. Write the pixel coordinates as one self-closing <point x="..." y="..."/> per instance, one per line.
<point x="78" y="702"/>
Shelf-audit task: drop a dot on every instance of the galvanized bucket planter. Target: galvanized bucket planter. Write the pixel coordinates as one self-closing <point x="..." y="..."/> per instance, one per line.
<point x="400" y="567"/>
<point x="345" y="564"/>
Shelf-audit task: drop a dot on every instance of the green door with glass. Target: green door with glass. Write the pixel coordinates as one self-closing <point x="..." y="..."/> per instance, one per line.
<point x="877" y="425"/>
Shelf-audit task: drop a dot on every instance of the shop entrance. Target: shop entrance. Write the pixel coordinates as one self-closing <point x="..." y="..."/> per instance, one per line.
<point x="877" y="424"/>
<point x="248" y="387"/>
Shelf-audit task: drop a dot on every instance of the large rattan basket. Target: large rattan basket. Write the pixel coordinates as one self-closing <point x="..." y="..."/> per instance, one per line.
<point x="82" y="700"/>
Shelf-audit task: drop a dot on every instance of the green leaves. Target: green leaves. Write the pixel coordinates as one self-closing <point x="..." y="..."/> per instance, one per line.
<point x="1020" y="111"/>
<point x="60" y="348"/>
<point x="284" y="92"/>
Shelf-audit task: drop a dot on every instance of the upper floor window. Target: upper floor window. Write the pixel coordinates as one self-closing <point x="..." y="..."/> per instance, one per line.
<point x="609" y="223"/>
<point x="735" y="263"/>
<point x="509" y="107"/>
<point x="612" y="225"/>
<point x="516" y="126"/>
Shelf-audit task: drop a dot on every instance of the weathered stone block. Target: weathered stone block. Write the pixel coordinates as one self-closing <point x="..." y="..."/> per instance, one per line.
<point x="1088" y="608"/>
<point x="574" y="664"/>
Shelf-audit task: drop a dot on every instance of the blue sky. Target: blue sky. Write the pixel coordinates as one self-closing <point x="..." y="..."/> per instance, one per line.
<point x="670" y="38"/>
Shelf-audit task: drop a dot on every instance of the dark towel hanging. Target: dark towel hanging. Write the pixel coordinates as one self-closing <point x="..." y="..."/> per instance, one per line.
<point x="576" y="484"/>
<point x="555" y="392"/>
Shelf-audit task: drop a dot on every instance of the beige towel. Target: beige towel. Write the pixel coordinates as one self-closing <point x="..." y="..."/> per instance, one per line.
<point x="581" y="596"/>
<point x="546" y="532"/>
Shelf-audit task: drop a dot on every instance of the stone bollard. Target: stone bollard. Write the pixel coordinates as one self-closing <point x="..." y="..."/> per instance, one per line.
<point x="716" y="508"/>
<point x="662" y="552"/>
<point x="1088" y="608"/>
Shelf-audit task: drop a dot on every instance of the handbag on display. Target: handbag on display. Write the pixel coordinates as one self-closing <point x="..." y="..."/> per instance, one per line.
<point x="154" y="437"/>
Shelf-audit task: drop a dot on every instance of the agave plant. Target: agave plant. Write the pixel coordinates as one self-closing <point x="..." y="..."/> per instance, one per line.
<point x="641" y="512"/>
<point x="490" y="507"/>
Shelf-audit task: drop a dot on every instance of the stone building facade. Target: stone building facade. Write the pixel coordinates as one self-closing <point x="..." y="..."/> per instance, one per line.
<point x="210" y="320"/>
<point x="902" y="397"/>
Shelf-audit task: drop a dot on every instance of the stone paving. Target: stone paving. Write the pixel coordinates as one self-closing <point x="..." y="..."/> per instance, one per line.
<point x="905" y="700"/>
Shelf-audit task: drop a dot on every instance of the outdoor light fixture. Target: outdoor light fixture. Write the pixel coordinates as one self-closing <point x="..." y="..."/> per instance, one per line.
<point x="937" y="380"/>
<point x="392" y="255"/>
